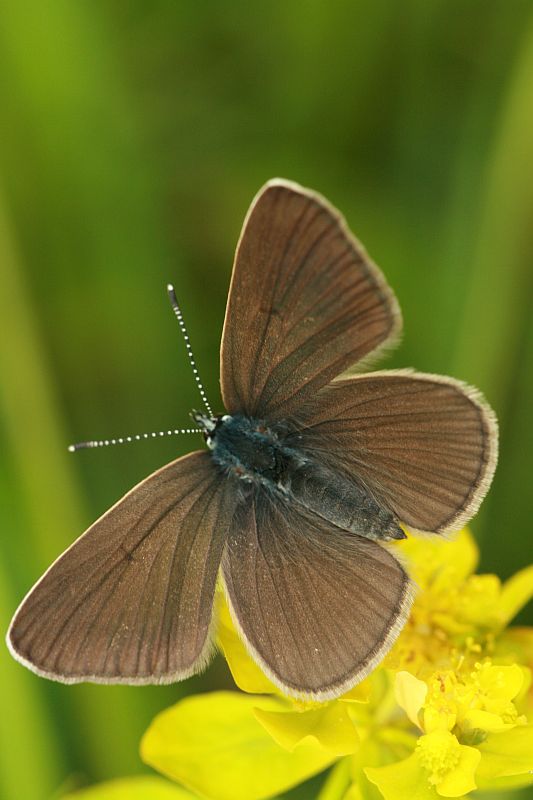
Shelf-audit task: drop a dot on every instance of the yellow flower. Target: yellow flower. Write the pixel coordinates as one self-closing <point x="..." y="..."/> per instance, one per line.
<point x="439" y="766"/>
<point x="450" y="765"/>
<point x="477" y="702"/>
<point x="445" y="713"/>
<point x="457" y="618"/>
<point x="457" y="714"/>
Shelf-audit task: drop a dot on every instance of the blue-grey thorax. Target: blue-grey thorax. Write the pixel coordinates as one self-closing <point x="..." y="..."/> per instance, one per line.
<point x="256" y="454"/>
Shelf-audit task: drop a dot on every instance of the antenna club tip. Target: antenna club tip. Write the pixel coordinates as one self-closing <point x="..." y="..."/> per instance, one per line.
<point x="170" y="287"/>
<point x="71" y="448"/>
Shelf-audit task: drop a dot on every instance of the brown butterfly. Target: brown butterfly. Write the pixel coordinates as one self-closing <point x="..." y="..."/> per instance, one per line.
<point x="305" y="477"/>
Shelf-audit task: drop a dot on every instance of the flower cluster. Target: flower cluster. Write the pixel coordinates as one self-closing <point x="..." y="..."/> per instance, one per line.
<point x="458" y="714"/>
<point x="450" y="709"/>
<point x="462" y="679"/>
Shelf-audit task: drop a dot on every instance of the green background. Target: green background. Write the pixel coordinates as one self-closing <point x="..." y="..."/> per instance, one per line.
<point x="133" y="136"/>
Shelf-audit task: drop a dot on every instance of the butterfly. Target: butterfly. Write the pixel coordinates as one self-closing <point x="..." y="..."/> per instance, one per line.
<point x="308" y="475"/>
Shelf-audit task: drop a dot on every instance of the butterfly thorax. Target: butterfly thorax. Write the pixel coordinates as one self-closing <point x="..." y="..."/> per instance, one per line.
<point x="254" y="453"/>
<point x="247" y="449"/>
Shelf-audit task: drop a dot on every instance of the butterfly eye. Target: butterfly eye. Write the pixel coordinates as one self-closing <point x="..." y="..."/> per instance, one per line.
<point x="208" y="423"/>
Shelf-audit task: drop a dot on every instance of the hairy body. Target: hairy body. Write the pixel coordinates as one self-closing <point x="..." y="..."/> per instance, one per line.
<point x="257" y="454"/>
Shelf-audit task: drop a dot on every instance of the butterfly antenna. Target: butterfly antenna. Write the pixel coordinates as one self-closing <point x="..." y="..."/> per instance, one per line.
<point x="127" y="439"/>
<point x="140" y="436"/>
<point x="179" y="316"/>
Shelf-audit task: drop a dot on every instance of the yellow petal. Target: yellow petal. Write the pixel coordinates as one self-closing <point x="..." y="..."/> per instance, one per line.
<point x="329" y="726"/>
<point x="213" y="744"/>
<point x="395" y="743"/>
<point x="460" y="780"/>
<point x="507" y="753"/>
<point x="449" y="766"/>
<point x="441" y="561"/>
<point x="438" y="719"/>
<point x="410" y="695"/>
<point x="404" y="780"/>
<point x="515" y="645"/>
<point x="336" y="785"/>
<point x="358" y="694"/>
<point x="353" y="793"/>
<point x="246" y="673"/>
<point x="484" y="721"/>
<point x="501" y="682"/>
<point x="507" y="782"/>
<point x="516" y="592"/>
<point x="386" y="745"/>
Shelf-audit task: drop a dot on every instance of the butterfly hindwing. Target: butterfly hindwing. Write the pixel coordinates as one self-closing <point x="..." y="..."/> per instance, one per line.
<point x="425" y="446"/>
<point x="317" y="607"/>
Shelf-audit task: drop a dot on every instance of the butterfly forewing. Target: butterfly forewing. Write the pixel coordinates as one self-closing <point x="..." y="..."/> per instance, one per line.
<point x="425" y="446"/>
<point x="131" y="600"/>
<point x="317" y="607"/>
<point x="305" y="303"/>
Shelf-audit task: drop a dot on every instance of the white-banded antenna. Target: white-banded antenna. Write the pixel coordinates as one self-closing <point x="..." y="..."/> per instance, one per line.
<point x="127" y="439"/>
<point x="137" y="437"/>
<point x="179" y="316"/>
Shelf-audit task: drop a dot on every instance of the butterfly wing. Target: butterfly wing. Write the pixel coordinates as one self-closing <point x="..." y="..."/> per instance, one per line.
<point x="425" y="446"/>
<point x="305" y="302"/>
<point x="131" y="600"/>
<point x="317" y="607"/>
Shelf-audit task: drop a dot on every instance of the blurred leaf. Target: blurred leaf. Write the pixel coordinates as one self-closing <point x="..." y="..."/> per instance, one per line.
<point x="329" y="726"/>
<point x="65" y="121"/>
<point x="402" y="781"/>
<point x="213" y="744"/>
<point x="246" y="673"/>
<point x="497" y="313"/>
<point x="498" y="300"/>
<point x="51" y="497"/>
<point x="141" y="788"/>
<point x="507" y="753"/>
<point x="508" y="782"/>
<point x="410" y="695"/>
<point x="337" y="782"/>
<point x="516" y="592"/>
<point x="26" y="729"/>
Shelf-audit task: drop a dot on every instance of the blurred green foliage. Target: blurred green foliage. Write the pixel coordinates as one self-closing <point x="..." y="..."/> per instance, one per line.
<point x="133" y="136"/>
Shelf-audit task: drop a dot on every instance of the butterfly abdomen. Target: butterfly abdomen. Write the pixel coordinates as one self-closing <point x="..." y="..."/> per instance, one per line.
<point x="343" y="502"/>
<point x="249" y="450"/>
